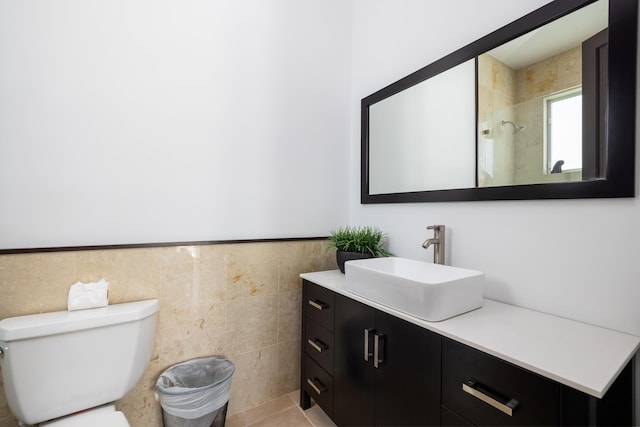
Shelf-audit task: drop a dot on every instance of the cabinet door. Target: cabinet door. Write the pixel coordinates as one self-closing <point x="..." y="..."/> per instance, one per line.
<point x="408" y="377"/>
<point x="404" y="388"/>
<point x="353" y="377"/>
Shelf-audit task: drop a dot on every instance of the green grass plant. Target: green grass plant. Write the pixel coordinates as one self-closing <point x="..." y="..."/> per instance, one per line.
<point x="365" y="240"/>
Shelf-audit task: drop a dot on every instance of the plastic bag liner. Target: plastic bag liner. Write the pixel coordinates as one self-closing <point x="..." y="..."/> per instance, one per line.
<point x="196" y="387"/>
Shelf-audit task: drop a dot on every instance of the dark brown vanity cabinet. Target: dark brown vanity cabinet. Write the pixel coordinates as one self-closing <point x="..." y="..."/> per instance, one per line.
<point x="365" y="367"/>
<point x="384" y="370"/>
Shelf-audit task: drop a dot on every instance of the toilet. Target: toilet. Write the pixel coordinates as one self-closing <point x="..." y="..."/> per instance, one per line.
<point x="67" y="368"/>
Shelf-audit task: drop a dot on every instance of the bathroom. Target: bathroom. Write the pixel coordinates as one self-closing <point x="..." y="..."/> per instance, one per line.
<point x="238" y="125"/>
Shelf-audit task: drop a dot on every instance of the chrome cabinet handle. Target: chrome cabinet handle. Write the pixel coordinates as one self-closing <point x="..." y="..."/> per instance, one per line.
<point x="477" y="391"/>
<point x="378" y="350"/>
<point x="318" y="304"/>
<point x="318" y="388"/>
<point x="317" y="344"/>
<point x="367" y="352"/>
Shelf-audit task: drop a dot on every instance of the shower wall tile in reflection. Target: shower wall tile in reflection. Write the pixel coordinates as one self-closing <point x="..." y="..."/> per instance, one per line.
<point x="517" y="96"/>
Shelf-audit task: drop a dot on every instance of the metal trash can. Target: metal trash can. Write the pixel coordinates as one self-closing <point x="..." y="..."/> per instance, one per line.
<point x="195" y="393"/>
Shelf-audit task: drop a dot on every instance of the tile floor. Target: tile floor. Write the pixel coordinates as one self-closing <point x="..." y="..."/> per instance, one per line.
<point x="281" y="412"/>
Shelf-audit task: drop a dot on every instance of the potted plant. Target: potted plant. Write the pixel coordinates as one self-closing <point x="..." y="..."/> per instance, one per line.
<point x="357" y="243"/>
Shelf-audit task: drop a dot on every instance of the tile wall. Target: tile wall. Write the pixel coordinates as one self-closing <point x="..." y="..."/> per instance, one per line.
<point x="518" y="95"/>
<point x="239" y="300"/>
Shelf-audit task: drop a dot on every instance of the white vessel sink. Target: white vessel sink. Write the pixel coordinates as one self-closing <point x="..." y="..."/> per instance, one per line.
<point x="428" y="291"/>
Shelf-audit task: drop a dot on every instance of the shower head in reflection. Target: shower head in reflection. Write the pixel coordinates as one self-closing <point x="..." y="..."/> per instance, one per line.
<point x="516" y="128"/>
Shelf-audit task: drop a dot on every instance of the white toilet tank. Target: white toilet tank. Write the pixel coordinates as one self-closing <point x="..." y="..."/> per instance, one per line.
<point x="55" y="364"/>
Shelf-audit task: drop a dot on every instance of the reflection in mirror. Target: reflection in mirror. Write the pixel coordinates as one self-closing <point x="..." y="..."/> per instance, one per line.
<point x="528" y="71"/>
<point x="530" y="103"/>
<point x="423" y="138"/>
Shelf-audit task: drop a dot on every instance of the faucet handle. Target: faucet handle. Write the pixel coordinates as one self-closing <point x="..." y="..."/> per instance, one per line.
<point x="436" y="227"/>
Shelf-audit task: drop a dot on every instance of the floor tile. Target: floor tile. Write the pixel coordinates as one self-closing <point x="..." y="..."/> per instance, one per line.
<point x="281" y="412"/>
<point x="289" y="417"/>
<point x="259" y="412"/>
<point x="318" y="418"/>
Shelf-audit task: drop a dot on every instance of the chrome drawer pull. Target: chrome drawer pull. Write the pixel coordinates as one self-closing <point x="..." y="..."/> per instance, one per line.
<point x="317" y="344"/>
<point x="318" y="388"/>
<point x="473" y="389"/>
<point x="318" y="304"/>
<point x="367" y="352"/>
<point x="378" y="350"/>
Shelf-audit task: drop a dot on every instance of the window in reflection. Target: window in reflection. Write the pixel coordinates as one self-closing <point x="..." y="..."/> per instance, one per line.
<point x="563" y="140"/>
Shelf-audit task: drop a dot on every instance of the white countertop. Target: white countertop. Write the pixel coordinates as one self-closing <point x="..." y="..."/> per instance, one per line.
<point x="585" y="357"/>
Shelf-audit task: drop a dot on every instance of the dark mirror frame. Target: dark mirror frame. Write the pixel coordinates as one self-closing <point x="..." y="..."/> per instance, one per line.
<point x="619" y="180"/>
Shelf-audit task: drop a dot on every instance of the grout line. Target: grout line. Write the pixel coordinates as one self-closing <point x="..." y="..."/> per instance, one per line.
<point x="294" y="404"/>
<point x="270" y="415"/>
<point x="304" y="413"/>
<point x="264" y="417"/>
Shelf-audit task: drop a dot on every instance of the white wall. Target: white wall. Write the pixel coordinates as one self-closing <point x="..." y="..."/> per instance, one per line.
<point x="575" y="258"/>
<point x="137" y="121"/>
<point x="578" y="259"/>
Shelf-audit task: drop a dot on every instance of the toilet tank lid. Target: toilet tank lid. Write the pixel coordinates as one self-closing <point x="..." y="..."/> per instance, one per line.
<point x="59" y="322"/>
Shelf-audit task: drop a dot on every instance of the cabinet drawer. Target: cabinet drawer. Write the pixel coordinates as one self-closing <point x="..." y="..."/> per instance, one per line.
<point x="319" y="384"/>
<point x="319" y="305"/>
<point x="318" y="344"/>
<point x="482" y="389"/>
<point x="449" y="419"/>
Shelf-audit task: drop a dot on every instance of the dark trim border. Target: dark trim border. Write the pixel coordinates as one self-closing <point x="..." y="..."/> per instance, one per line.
<point x="153" y="245"/>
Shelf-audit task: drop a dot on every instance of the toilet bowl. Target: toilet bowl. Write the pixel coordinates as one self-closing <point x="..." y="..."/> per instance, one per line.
<point x="103" y="416"/>
<point x="67" y="368"/>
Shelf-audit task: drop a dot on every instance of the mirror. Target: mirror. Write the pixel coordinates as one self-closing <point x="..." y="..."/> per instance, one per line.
<point x="533" y="110"/>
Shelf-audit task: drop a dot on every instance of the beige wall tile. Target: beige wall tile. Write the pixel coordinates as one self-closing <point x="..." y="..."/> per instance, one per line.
<point x="288" y="366"/>
<point x="255" y="380"/>
<point x="289" y="315"/>
<point x="212" y="272"/>
<point x="8" y="421"/>
<point x="296" y="258"/>
<point x="35" y="283"/>
<point x="184" y="334"/>
<point x="238" y="300"/>
<point x="139" y="406"/>
<point x="251" y="323"/>
<point x="150" y="273"/>
<point x="252" y="269"/>
<point x="5" y="415"/>
<point x="327" y="259"/>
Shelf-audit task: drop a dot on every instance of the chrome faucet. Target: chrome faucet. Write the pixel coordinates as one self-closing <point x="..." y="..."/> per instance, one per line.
<point x="438" y="243"/>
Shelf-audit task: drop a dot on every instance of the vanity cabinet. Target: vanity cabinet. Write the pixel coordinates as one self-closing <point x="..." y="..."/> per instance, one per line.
<point x="366" y="367"/>
<point x="385" y="371"/>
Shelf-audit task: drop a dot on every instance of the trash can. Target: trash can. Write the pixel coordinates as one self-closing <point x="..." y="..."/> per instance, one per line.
<point x="195" y="393"/>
